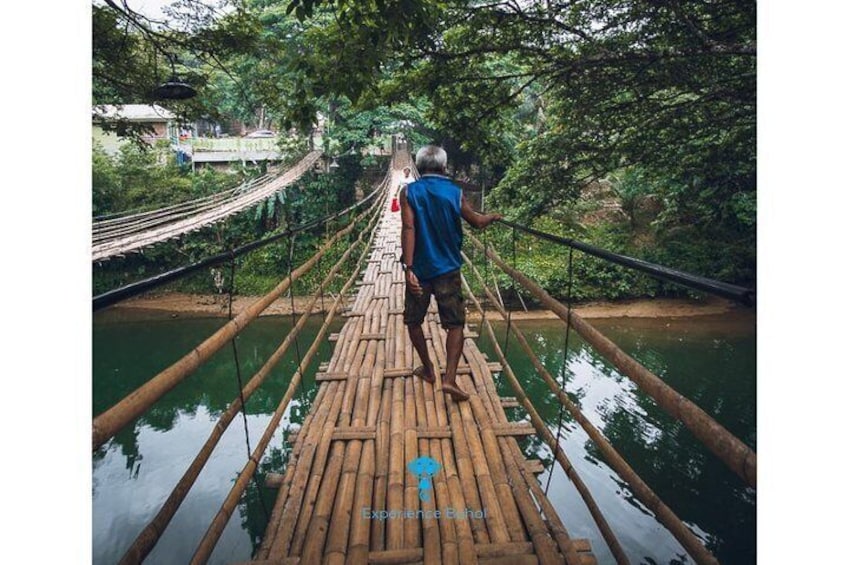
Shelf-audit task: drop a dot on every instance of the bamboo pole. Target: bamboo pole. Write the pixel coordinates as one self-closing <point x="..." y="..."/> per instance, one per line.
<point x="218" y="524"/>
<point x="395" y="490"/>
<point x="301" y="497"/>
<point x="336" y="547"/>
<point x="310" y="502"/>
<point x="378" y="530"/>
<point x="412" y="529"/>
<point x="358" y="548"/>
<point x="641" y="490"/>
<point x="490" y="499"/>
<point x="301" y="508"/>
<point x="551" y="441"/>
<point x="147" y="538"/>
<point x="107" y="424"/>
<point x="318" y="522"/>
<point x="482" y="408"/>
<point x="498" y="469"/>
<point x="283" y="492"/>
<point x="733" y="452"/>
<point x="437" y="417"/>
<point x="330" y="522"/>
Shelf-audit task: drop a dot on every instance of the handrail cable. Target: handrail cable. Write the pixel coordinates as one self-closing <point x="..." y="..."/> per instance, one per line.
<point x="108" y="423"/>
<point x="548" y="438"/>
<point x="740" y="294"/>
<point x="114" y="296"/>
<point x="641" y="490"/>
<point x="149" y="536"/>
<point x="739" y="457"/>
<point x="219" y="522"/>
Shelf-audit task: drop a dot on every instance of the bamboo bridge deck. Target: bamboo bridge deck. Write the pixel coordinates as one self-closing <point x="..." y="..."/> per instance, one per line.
<point x="348" y="495"/>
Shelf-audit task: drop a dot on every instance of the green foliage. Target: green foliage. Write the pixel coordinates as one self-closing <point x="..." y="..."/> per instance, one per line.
<point x="140" y="178"/>
<point x="125" y="183"/>
<point x="535" y="99"/>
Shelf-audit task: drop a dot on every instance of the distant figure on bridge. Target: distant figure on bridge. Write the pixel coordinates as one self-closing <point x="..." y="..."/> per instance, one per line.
<point x="431" y="238"/>
<point x="407" y="178"/>
<point x="404" y="182"/>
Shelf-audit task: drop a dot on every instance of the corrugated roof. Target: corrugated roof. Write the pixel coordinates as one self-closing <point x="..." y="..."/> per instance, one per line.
<point x="132" y="112"/>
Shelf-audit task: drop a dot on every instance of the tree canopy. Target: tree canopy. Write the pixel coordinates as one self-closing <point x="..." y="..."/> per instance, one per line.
<point x="542" y="97"/>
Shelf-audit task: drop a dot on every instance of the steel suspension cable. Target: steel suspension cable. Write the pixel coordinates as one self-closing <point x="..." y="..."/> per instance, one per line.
<point x="565" y="367"/>
<point x="509" y="310"/>
<point x="230" y="291"/>
<point x="292" y="306"/>
<point x="739" y="293"/>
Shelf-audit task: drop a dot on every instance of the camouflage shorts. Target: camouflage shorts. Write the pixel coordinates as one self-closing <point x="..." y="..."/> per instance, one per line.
<point x="449" y="301"/>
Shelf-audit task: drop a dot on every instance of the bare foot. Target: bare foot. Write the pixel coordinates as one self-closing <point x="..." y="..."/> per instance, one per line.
<point x="422" y="372"/>
<point x="456" y="393"/>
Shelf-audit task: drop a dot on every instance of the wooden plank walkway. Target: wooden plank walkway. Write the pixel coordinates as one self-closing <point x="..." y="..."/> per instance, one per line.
<point x="348" y="494"/>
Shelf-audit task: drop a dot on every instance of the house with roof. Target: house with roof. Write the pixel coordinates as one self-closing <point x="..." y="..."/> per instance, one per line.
<point x="111" y="122"/>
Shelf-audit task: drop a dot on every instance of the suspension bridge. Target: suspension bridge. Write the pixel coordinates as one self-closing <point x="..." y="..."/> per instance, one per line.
<point x="388" y="469"/>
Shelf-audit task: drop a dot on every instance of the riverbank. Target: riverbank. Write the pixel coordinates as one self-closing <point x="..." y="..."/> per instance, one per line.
<point x="181" y="305"/>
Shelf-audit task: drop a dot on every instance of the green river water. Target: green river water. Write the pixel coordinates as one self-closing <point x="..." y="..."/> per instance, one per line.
<point x="710" y="360"/>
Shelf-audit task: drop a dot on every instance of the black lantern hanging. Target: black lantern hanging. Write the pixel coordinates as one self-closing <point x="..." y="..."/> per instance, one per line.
<point x="174" y="88"/>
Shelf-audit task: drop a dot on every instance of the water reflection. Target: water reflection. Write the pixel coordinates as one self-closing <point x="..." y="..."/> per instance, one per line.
<point x="135" y="472"/>
<point x="711" y="363"/>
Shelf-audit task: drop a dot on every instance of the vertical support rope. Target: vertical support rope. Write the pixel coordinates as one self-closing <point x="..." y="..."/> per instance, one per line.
<point x="565" y="367"/>
<point x="230" y="290"/>
<point x="483" y="298"/>
<point x="292" y="303"/>
<point x="509" y="310"/>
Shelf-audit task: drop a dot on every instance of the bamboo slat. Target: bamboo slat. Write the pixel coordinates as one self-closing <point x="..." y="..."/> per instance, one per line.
<point x="377" y="417"/>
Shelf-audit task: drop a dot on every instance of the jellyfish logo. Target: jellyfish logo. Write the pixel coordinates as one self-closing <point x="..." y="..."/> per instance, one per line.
<point x="424" y="468"/>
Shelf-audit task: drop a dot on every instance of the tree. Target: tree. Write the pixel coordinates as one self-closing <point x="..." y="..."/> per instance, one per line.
<point x="560" y="93"/>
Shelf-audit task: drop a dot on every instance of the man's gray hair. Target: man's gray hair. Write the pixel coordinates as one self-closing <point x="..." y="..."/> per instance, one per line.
<point x="431" y="159"/>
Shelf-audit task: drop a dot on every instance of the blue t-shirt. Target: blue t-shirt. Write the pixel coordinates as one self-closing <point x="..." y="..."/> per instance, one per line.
<point x="435" y="201"/>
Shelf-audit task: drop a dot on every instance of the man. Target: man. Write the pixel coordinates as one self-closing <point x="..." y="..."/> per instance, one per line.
<point x="431" y="239"/>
